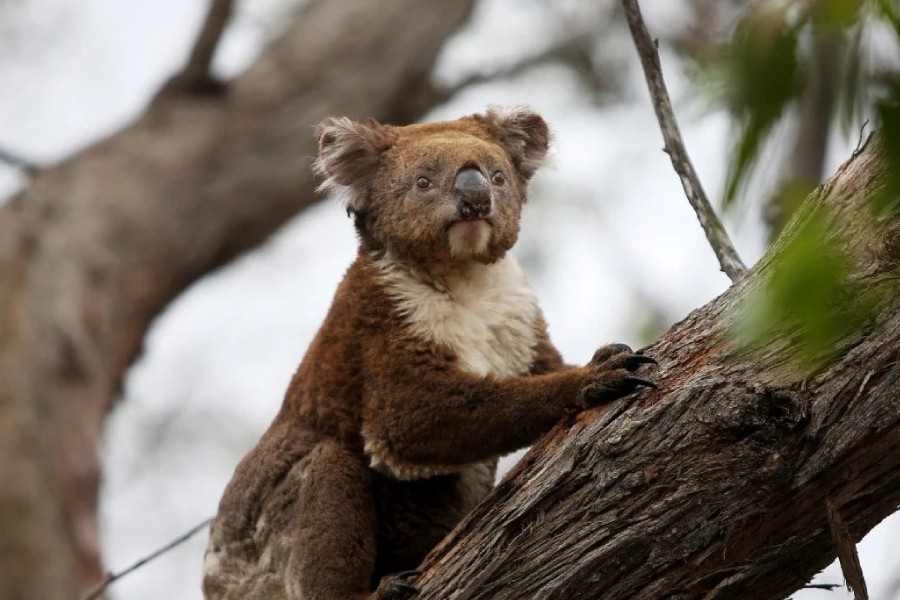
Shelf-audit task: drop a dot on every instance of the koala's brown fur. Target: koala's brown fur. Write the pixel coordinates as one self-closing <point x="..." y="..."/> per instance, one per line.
<point x="433" y="361"/>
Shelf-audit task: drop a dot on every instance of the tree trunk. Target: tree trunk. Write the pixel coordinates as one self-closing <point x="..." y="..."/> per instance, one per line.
<point x="96" y="246"/>
<point x="714" y="485"/>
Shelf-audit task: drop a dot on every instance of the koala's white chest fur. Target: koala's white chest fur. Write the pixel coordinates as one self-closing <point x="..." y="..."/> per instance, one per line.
<point x="486" y="315"/>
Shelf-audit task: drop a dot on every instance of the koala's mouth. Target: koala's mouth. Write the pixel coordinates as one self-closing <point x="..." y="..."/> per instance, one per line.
<point x="488" y="220"/>
<point x="469" y="237"/>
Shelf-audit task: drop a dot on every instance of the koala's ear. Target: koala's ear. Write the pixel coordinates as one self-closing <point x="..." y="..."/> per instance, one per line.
<point x="523" y="133"/>
<point x="349" y="154"/>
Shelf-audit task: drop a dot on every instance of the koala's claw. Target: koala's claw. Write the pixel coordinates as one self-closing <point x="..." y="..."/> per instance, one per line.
<point x="406" y="574"/>
<point x="604" y="353"/>
<point x="396" y="590"/>
<point x="635" y="360"/>
<point x="400" y="591"/>
<point x="620" y="356"/>
<point x="392" y="588"/>
<point x="612" y="377"/>
<point x="640" y="382"/>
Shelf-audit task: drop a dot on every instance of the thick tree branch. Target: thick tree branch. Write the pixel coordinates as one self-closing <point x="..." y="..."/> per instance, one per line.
<point x="715" y="232"/>
<point x="96" y="246"/>
<point x="714" y="485"/>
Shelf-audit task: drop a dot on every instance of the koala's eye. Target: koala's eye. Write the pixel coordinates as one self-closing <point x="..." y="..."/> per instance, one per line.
<point x="497" y="178"/>
<point x="423" y="183"/>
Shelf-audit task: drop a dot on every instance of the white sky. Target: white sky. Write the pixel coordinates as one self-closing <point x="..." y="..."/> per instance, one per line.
<point x="607" y="230"/>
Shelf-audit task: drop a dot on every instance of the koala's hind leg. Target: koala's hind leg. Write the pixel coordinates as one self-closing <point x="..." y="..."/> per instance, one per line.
<point x="334" y="530"/>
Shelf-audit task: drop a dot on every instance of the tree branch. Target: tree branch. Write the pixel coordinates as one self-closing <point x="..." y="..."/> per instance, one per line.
<point x="718" y="238"/>
<point x="18" y="162"/>
<point x="846" y="549"/>
<point x="196" y="76"/>
<point x="715" y="484"/>
<point x="573" y="51"/>
<point x="821" y="586"/>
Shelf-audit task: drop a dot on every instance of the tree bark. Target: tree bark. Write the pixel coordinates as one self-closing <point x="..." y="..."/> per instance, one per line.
<point x="96" y="246"/>
<point x="715" y="485"/>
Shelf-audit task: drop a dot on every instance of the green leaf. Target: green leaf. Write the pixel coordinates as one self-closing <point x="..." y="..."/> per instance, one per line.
<point x="836" y="15"/>
<point x="887" y="203"/>
<point x="852" y="91"/>
<point x="809" y="303"/>
<point x="763" y="73"/>
<point x="889" y="11"/>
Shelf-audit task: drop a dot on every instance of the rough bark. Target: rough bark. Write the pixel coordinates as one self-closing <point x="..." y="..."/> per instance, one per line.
<point x="714" y="485"/>
<point x="96" y="246"/>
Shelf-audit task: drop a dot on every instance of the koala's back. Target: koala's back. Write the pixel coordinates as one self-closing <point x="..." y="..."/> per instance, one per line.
<point x="247" y="547"/>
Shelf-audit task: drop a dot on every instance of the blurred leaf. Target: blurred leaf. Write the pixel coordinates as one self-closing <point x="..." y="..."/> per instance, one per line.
<point x="836" y="15"/>
<point x="809" y="300"/>
<point x="888" y="201"/>
<point x="851" y="88"/>
<point x="889" y="11"/>
<point x="762" y="73"/>
<point x="785" y="202"/>
<point x="764" y="69"/>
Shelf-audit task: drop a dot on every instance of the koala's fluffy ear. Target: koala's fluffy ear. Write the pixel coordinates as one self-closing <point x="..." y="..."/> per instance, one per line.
<point x="523" y="133"/>
<point x="348" y="156"/>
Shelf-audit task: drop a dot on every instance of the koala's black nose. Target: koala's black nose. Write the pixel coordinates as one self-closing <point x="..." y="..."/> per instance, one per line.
<point x="473" y="194"/>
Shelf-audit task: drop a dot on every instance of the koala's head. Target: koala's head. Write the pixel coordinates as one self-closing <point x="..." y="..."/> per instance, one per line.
<point x="436" y="192"/>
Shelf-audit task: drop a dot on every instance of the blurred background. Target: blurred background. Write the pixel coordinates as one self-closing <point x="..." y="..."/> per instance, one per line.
<point x="609" y="242"/>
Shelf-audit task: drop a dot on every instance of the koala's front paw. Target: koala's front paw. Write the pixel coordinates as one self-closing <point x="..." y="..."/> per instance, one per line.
<point x="393" y="587"/>
<point x="610" y="375"/>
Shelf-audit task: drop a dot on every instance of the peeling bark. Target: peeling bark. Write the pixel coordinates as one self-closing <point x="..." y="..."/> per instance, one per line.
<point x="96" y="246"/>
<point x="715" y="485"/>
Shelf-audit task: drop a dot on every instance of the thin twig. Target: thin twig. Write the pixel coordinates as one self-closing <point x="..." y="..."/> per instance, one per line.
<point x="111" y="577"/>
<point x="846" y="551"/>
<point x="196" y="74"/>
<point x="205" y="46"/>
<point x="821" y="586"/>
<point x="574" y="51"/>
<point x="728" y="581"/>
<point x="18" y="162"/>
<point x="862" y="139"/>
<point x="718" y="238"/>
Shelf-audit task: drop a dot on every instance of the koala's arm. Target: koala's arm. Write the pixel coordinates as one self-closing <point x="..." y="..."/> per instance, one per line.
<point x="420" y="409"/>
<point x="547" y="358"/>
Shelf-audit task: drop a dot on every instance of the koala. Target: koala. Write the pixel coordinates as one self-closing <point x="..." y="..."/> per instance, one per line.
<point x="433" y="361"/>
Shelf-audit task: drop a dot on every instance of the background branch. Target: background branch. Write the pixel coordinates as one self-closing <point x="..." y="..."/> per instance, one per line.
<point x="196" y="76"/>
<point x="574" y="51"/>
<point x="18" y="162"/>
<point x="112" y="577"/>
<point x="846" y="551"/>
<point x="715" y="232"/>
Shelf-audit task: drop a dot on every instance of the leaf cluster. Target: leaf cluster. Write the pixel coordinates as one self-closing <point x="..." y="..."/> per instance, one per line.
<point x="762" y="70"/>
<point x="810" y="298"/>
